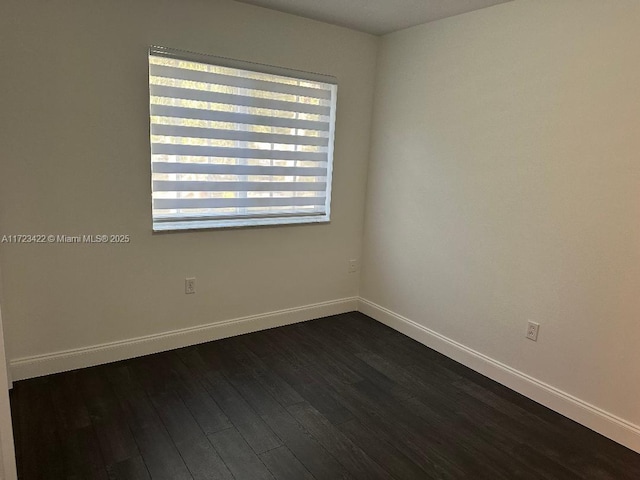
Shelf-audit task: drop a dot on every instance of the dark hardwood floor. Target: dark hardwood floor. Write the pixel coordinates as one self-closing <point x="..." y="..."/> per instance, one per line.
<point x="339" y="397"/>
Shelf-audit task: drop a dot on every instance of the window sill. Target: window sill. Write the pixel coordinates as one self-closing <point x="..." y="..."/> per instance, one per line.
<point x="186" y="225"/>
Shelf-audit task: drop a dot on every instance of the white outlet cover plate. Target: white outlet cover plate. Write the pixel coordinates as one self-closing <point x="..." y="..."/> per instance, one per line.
<point x="532" y="331"/>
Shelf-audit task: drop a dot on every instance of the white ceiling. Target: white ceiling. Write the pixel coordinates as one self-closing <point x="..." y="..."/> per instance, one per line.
<point x="375" y="16"/>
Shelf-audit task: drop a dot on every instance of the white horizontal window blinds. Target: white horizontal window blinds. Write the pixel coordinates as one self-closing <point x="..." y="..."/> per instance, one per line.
<point x="236" y="144"/>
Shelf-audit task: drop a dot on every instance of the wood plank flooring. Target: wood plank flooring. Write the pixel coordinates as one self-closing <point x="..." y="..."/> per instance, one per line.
<point x="339" y="397"/>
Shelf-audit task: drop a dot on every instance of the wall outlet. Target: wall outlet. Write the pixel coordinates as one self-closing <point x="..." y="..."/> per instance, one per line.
<point x="189" y="285"/>
<point x="353" y="265"/>
<point x="532" y="331"/>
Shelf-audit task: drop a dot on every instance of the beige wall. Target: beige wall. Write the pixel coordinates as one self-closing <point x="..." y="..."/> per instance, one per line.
<point x="75" y="160"/>
<point x="504" y="185"/>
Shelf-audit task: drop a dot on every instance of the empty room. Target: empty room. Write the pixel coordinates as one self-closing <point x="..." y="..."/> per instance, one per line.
<point x="304" y="239"/>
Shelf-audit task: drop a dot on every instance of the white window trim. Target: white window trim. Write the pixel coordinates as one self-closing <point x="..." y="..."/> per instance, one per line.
<point x="207" y="222"/>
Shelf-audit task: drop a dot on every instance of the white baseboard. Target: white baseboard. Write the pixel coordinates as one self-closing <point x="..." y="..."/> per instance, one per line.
<point x="38" y="365"/>
<point x="605" y="423"/>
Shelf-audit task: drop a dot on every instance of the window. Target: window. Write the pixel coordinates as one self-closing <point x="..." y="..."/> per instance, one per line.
<point x="238" y="144"/>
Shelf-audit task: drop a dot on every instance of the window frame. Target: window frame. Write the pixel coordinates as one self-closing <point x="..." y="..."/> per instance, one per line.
<point x="207" y="222"/>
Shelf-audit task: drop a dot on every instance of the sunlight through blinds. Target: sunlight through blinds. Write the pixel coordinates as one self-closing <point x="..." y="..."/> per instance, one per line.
<point x="238" y="144"/>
